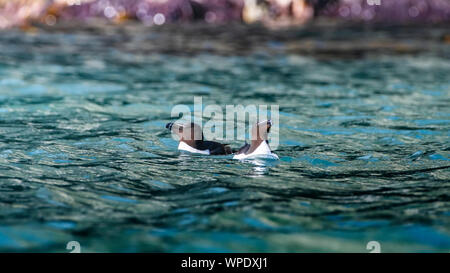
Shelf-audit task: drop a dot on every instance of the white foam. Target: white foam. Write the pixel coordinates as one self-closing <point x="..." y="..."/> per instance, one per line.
<point x="184" y="147"/>
<point x="263" y="151"/>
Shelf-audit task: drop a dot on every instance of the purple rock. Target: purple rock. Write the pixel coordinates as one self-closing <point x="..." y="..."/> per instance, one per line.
<point x="166" y="11"/>
<point x="390" y="11"/>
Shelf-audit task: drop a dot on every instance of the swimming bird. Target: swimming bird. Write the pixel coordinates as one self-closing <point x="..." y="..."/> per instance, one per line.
<point x="192" y="140"/>
<point x="259" y="146"/>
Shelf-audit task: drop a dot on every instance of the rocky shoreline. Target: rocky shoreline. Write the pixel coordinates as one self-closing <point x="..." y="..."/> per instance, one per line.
<point x="320" y="39"/>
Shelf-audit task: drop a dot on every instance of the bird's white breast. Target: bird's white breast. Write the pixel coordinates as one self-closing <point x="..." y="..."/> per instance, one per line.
<point x="262" y="151"/>
<point x="184" y="147"/>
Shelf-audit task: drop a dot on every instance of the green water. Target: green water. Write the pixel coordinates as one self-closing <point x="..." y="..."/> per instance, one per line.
<point x="84" y="155"/>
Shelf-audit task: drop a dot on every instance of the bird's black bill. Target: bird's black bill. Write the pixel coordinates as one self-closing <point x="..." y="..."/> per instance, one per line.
<point x="169" y="125"/>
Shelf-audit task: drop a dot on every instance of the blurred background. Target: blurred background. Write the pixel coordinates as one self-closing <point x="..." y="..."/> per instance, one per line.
<point x="274" y="13"/>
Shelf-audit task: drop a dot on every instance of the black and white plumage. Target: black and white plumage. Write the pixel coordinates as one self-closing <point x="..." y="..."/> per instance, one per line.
<point x="192" y="140"/>
<point x="259" y="146"/>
